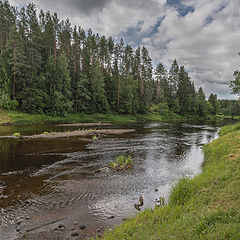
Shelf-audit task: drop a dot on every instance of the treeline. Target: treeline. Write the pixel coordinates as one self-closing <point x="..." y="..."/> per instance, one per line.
<point x="48" y="66"/>
<point x="230" y="107"/>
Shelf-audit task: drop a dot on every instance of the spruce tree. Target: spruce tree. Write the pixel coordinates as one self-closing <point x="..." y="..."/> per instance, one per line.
<point x="98" y="98"/>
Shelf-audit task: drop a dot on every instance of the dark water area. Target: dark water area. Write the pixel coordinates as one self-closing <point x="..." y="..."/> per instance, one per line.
<point x="51" y="179"/>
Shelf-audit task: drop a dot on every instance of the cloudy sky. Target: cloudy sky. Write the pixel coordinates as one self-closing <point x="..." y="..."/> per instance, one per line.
<point x="203" y="35"/>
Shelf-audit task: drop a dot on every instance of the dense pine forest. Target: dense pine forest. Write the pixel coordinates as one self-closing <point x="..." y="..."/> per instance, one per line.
<point x="48" y="66"/>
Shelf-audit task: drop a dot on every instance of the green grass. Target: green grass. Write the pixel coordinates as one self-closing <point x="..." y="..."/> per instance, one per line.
<point x="16" y="117"/>
<point x="94" y="137"/>
<point x="205" y="207"/>
<point x="229" y="128"/>
<point x="122" y="162"/>
<point x="4" y="117"/>
<point x="16" y="134"/>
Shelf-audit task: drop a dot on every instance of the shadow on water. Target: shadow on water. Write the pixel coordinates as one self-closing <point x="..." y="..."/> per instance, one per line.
<point x="49" y="179"/>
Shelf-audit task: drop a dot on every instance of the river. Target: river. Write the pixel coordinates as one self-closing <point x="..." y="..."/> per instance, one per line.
<point x="47" y="180"/>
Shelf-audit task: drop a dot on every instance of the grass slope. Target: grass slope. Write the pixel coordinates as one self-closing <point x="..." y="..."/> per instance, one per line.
<point x="205" y="207"/>
<point x="230" y="128"/>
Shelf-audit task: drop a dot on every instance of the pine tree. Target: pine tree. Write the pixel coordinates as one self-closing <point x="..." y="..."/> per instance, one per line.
<point x="184" y="92"/>
<point x="16" y="58"/>
<point x="7" y="20"/>
<point x="201" y="103"/>
<point x="82" y="97"/>
<point x="215" y="104"/>
<point x="161" y="88"/>
<point x="174" y="78"/>
<point x="145" y="81"/>
<point x="98" y="98"/>
<point x="34" y="40"/>
<point x="128" y="103"/>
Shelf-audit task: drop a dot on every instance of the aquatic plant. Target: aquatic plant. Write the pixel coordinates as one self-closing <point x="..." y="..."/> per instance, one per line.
<point x="94" y="137"/>
<point x="16" y="134"/>
<point x="122" y="162"/>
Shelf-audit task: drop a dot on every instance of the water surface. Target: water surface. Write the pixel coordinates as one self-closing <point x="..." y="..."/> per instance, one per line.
<point x="51" y="179"/>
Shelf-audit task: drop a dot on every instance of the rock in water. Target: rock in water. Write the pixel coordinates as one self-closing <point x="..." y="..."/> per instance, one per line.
<point x="100" y="229"/>
<point x="61" y="227"/>
<point x="82" y="227"/>
<point x="74" y="234"/>
<point x="140" y="200"/>
<point x="137" y="207"/>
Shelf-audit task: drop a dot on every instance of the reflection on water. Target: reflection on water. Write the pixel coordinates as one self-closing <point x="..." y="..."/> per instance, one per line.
<point x="50" y="179"/>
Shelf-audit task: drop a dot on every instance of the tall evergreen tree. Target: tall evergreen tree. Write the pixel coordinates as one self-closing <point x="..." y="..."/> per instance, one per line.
<point x="201" y="103"/>
<point x="214" y="102"/>
<point x="184" y="92"/>
<point x="98" y="98"/>
<point x="161" y="88"/>
<point x="174" y="80"/>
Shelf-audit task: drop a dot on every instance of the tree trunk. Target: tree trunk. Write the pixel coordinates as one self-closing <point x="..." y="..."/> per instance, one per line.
<point x="55" y="49"/>
<point x="118" y="94"/>
<point x="14" y="70"/>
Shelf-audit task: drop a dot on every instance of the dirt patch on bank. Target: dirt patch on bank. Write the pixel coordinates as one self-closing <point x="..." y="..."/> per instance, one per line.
<point x="85" y="124"/>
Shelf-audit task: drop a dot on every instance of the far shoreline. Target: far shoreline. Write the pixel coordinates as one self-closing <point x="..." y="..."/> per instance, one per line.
<point x="11" y="118"/>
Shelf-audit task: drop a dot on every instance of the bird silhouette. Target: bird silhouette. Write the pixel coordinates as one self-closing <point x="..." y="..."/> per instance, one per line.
<point x="137" y="207"/>
<point x="140" y="201"/>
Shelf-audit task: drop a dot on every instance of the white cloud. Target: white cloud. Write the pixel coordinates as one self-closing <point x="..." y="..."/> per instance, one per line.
<point x="207" y="47"/>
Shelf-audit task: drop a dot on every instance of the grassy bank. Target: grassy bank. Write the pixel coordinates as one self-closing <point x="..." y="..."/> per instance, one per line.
<point x="206" y="207"/>
<point x="230" y="128"/>
<point x="4" y="117"/>
<point x="15" y="117"/>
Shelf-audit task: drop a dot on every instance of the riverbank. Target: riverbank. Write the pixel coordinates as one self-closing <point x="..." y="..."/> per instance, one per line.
<point x="16" y="117"/>
<point x="20" y="118"/>
<point x="205" y="207"/>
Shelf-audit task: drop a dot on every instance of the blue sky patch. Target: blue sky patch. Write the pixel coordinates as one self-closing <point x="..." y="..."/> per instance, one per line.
<point x="182" y="9"/>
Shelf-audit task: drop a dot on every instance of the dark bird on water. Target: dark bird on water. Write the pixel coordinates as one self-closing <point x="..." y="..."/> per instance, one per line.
<point x="137" y="207"/>
<point x="140" y="201"/>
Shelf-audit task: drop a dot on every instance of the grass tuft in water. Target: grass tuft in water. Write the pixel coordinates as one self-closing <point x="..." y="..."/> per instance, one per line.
<point x="16" y="134"/>
<point x="94" y="137"/>
<point x="122" y="162"/>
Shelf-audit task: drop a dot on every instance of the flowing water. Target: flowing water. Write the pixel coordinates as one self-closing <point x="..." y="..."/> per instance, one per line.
<point x="55" y="179"/>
